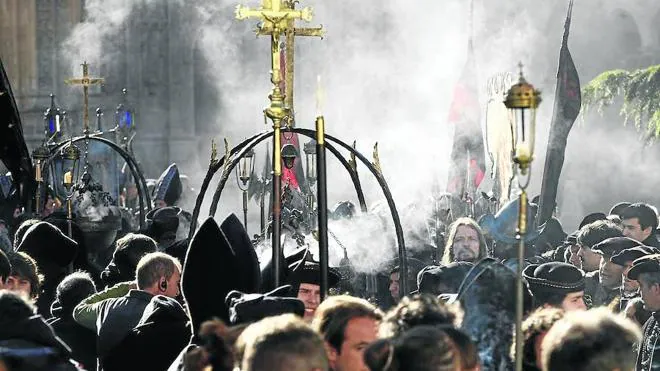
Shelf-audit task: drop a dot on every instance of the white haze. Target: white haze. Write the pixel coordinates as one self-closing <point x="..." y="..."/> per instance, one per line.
<point x="388" y="70"/>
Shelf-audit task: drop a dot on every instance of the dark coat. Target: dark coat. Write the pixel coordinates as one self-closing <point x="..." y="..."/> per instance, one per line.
<point x="647" y="358"/>
<point x="81" y="340"/>
<point x="162" y="333"/>
<point x="35" y="334"/>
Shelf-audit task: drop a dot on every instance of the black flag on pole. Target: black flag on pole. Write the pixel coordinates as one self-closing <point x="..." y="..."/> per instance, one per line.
<point x="568" y="101"/>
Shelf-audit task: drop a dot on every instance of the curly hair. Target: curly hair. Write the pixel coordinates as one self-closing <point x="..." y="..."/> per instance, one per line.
<point x="539" y="322"/>
<point x="418" y="310"/>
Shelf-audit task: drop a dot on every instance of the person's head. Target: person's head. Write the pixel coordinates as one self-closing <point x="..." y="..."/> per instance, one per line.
<point x="556" y="284"/>
<point x="20" y="231"/>
<point x="610" y="273"/>
<point x="417" y="310"/>
<point x="618" y="208"/>
<point x="73" y="289"/>
<point x="305" y="275"/>
<point x="14" y="308"/>
<point x="625" y="259"/>
<point x="24" y="277"/>
<point x="534" y="329"/>
<point x="594" y="340"/>
<point x="640" y="221"/>
<point x="466" y="242"/>
<point x="423" y="348"/>
<point x="590" y="235"/>
<point x="635" y="311"/>
<point x="394" y="280"/>
<point x="5" y="269"/>
<point x="646" y="271"/>
<point x="467" y="349"/>
<point x="133" y="246"/>
<point x="281" y="343"/>
<point x="348" y="325"/>
<point x="159" y="274"/>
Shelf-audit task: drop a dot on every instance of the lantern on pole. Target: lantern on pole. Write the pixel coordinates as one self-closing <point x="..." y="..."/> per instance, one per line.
<point x="244" y="172"/>
<point x="70" y="168"/>
<point x="522" y="101"/>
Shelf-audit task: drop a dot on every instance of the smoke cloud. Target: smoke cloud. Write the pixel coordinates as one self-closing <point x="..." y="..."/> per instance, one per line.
<point x="388" y="70"/>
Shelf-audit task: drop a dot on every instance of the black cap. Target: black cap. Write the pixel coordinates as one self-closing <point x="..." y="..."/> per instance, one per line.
<point x="554" y="277"/>
<point x="645" y="264"/>
<point x="592" y="218"/>
<point x="632" y="254"/>
<point x="244" y="308"/>
<point x="614" y="245"/>
<point x="307" y="271"/>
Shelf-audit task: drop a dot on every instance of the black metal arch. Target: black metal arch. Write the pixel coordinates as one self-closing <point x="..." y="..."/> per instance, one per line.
<point x="140" y="182"/>
<point x="245" y="146"/>
<point x="253" y="143"/>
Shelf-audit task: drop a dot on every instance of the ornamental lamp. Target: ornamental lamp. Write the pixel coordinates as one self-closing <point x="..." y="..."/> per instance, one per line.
<point x="245" y="167"/>
<point x="53" y="119"/>
<point x="310" y="164"/>
<point x="124" y="114"/>
<point x="522" y="100"/>
<point x="289" y="154"/>
<point x="40" y="156"/>
<point x="70" y="165"/>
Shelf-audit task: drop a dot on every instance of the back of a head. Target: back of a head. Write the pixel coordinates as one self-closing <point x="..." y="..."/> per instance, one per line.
<point x="598" y="231"/>
<point x="13" y="308"/>
<point x="20" y="231"/>
<point x="332" y="317"/>
<point x="153" y="266"/>
<point x="74" y="288"/>
<point x="646" y="215"/>
<point x="133" y="246"/>
<point x="594" y="340"/>
<point x="281" y="343"/>
<point x="618" y="208"/>
<point x="423" y="348"/>
<point x="418" y="310"/>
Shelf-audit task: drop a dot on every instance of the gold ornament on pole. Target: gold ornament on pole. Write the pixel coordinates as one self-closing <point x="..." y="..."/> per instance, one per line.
<point x="522" y="100"/>
<point x="277" y="19"/>
<point x="85" y="81"/>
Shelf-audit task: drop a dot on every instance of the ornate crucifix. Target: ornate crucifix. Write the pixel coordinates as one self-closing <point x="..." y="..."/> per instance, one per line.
<point x="85" y="81"/>
<point x="277" y="18"/>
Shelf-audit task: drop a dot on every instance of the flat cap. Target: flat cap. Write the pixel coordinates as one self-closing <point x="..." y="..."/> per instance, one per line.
<point x="632" y="254"/>
<point x="645" y="264"/>
<point x="614" y="245"/>
<point x="554" y="276"/>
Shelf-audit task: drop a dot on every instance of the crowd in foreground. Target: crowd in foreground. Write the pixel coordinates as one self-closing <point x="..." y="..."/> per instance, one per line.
<point x="590" y="304"/>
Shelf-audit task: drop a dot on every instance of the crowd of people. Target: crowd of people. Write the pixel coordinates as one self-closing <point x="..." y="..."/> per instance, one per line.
<point x="590" y="304"/>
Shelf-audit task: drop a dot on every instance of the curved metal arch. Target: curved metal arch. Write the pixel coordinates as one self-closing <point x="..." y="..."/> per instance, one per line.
<point x="140" y="182"/>
<point x="253" y="143"/>
<point x="403" y="262"/>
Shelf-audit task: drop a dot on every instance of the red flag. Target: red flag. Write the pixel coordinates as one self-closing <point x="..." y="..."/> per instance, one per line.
<point x="467" y="164"/>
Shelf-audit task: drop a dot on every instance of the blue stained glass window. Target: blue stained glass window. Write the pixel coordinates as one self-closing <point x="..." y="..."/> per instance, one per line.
<point x="128" y="118"/>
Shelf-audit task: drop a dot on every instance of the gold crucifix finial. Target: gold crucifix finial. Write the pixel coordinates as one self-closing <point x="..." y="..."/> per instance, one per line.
<point x="85" y="81"/>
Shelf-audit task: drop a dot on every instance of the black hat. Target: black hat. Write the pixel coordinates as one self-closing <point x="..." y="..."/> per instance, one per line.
<point x="285" y="261"/>
<point x="246" y="257"/>
<point x="162" y="220"/>
<point x="169" y="187"/>
<point x="45" y="243"/>
<point x="450" y="276"/>
<point x="592" y="218"/>
<point x="244" y="308"/>
<point x="632" y="254"/>
<point x="614" y="245"/>
<point x="308" y="271"/>
<point x="210" y="272"/>
<point x="554" y="277"/>
<point x="645" y="264"/>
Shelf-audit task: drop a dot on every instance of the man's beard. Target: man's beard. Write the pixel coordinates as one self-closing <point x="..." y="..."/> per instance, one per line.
<point x="465" y="255"/>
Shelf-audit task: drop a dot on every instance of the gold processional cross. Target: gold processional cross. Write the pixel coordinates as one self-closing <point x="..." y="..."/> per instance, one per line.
<point x="85" y="81"/>
<point x="278" y="18"/>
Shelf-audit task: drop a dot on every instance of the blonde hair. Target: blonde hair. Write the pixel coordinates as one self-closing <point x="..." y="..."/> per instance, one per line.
<point x="448" y="256"/>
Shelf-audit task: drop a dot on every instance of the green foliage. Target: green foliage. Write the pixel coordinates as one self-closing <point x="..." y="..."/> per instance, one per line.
<point x="640" y="91"/>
